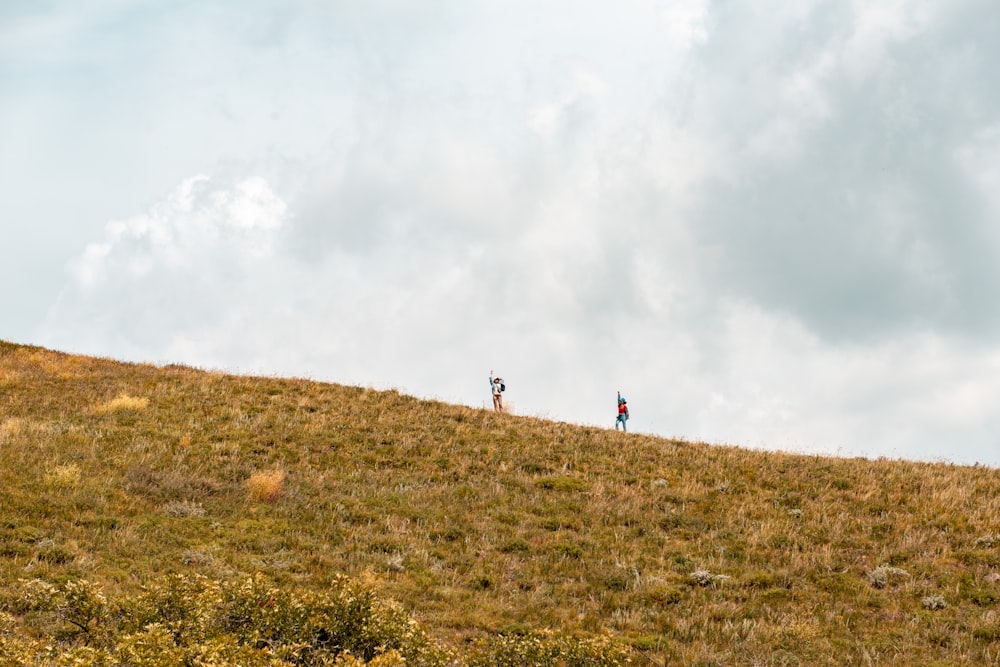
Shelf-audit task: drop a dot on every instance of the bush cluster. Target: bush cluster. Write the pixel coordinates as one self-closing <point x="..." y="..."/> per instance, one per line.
<point x="251" y="622"/>
<point x="192" y="620"/>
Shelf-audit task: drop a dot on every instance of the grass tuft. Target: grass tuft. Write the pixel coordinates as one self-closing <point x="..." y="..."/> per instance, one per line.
<point x="10" y="428"/>
<point x="183" y="508"/>
<point x="122" y="403"/>
<point x="64" y="475"/>
<point x="266" y="486"/>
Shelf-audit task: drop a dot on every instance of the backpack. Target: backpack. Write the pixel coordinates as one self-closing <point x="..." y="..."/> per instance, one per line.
<point x="503" y="387"/>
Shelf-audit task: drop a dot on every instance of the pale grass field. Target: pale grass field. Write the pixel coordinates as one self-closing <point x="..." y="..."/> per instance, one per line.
<point x="481" y="524"/>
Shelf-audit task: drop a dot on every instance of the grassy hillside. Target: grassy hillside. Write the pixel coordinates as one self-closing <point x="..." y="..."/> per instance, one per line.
<point x="481" y="525"/>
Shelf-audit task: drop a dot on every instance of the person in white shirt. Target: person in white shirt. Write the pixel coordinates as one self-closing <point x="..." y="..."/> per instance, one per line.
<point x="497" y="386"/>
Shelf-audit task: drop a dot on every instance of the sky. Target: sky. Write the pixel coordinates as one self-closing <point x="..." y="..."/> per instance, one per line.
<point x="768" y="224"/>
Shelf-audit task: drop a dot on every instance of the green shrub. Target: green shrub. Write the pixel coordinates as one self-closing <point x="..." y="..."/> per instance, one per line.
<point x="253" y="622"/>
<point x="568" y="550"/>
<point x="981" y="596"/>
<point x="987" y="633"/>
<point x="195" y="620"/>
<point x="562" y="483"/>
<point x="515" y="546"/>
<point x="760" y="579"/>
<point x="69" y="608"/>
<point x="661" y="595"/>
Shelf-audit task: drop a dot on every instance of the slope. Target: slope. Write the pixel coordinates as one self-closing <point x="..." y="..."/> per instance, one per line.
<point x="480" y="524"/>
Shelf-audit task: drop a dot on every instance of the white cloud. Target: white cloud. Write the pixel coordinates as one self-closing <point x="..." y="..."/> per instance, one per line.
<point x="877" y="26"/>
<point x="979" y="158"/>
<point x="684" y="23"/>
<point x="907" y="397"/>
<point x="195" y="222"/>
<point x="585" y="87"/>
<point x="170" y="273"/>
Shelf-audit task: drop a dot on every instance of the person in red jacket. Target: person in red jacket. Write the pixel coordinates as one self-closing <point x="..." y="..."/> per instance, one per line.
<point x="622" y="413"/>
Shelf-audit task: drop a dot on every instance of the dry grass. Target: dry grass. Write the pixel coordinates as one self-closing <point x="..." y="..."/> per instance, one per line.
<point x="483" y="523"/>
<point x="10" y="428"/>
<point x="266" y="486"/>
<point x="64" y="475"/>
<point x="122" y="403"/>
<point x="15" y="427"/>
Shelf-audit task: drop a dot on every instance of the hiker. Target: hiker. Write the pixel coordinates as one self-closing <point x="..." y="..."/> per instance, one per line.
<point x="497" y="387"/>
<point x="622" y="413"/>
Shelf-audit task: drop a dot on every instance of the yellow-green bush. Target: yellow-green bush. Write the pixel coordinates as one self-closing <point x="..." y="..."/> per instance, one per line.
<point x="251" y="622"/>
<point x="196" y="620"/>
